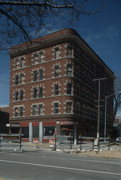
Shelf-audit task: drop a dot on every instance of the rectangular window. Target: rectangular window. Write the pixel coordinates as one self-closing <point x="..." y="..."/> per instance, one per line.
<point x="56" y="89"/>
<point x="48" y="131"/>
<point x="41" y="57"/>
<point x="41" y="92"/>
<point x="35" y="93"/>
<point x="16" y="112"/>
<point x="56" y="108"/>
<point x="16" y="96"/>
<point x="21" y="62"/>
<point x="69" y="69"/>
<point x="40" y="109"/>
<point x="21" y="111"/>
<point x="16" y="79"/>
<point x="69" y="106"/>
<point x="25" y="132"/>
<point x="35" y="131"/>
<point x="21" y="78"/>
<point x="69" y="88"/>
<point x="56" y="71"/>
<point x="57" y="53"/>
<point x="34" y="110"/>
<point x="41" y="74"/>
<point x="34" y="75"/>
<point x="21" y="94"/>
<point x="69" y="51"/>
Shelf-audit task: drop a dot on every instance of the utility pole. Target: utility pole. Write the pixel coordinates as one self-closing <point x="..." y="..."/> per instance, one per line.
<point x="98" y="118"/>
<point x="105" y="123"/>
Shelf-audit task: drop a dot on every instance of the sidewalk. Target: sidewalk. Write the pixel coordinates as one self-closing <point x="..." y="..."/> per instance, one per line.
<point x="30" y="147"/>
<point x="27" y="146"/>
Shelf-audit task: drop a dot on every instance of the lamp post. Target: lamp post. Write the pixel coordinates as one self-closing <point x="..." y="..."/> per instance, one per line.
<point x="105" y="122"/>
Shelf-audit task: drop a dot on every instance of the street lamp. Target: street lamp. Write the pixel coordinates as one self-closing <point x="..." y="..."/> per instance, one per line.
<point x="105" y="122"/>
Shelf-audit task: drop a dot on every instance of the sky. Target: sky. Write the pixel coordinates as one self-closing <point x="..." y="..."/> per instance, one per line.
<point x="101" y="31"/>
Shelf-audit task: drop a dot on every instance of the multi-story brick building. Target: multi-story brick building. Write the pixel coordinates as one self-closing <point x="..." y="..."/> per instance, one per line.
<point x="52" y="86"/>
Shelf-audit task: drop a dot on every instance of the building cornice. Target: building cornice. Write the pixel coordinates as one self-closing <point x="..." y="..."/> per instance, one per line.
<point x="61" y="36"/>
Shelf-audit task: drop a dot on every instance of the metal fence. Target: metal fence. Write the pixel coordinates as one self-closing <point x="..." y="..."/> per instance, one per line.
<point x="10" y="142"/>
<point x="60" y="142"/>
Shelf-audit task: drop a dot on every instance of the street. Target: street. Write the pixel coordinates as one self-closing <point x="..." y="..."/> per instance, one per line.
<point x="57" y="166"/>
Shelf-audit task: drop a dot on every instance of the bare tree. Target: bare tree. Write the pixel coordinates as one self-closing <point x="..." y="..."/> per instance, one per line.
<point x="19" y="19"/>
<point x="117" y="96"/>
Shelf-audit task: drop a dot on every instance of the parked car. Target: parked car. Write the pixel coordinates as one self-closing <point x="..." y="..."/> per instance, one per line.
<point x="118" y="140"/>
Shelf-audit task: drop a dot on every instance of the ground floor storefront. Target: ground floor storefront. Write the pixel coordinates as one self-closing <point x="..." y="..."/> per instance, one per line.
<point x="45" y="129"/>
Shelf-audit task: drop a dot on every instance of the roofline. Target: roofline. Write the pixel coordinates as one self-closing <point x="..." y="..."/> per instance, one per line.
<point x="53" y="37"/>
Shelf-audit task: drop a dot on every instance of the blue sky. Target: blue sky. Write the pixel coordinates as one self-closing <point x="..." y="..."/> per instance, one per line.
<point x="101" y="31"/>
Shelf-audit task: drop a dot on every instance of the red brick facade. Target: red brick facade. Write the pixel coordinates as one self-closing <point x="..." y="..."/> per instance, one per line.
<point x="51" y="81"/>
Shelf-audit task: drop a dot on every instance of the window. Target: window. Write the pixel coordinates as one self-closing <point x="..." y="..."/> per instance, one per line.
<point x="56" y="71"/>
<point x="56" y="89"/>
<point x="16" y="111"/>
<point x="16" y="79"/>
<point x="56" y="52"/>
<point x="38" y="57"/>
<point x="16" y="95"/>
<point x="69" y="107"/>
<point x="34" y="75"/>
<point x="48" y="130"/>
<point x="41" y="92"/>
<point x="69" y="51"/>
<point x="21" y="78"/>
<point x="34" y="110"/>
<point x="40" y="109"/>
<point x="21" y="94"/>
<point x="35" y="93"/>
<point x="56" y="109"/>
<point x="41" y="74"/>
<point x="19" y="111"/>
<point x="19" y="62"/>
<point x="69" y="70"/>
<point x="37" y="109"/>
<point x="41" y="57"/>
<point x="69" y="88"/>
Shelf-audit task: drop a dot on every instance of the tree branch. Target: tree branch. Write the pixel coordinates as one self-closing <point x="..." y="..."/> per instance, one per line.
<point x="16" y="3"/>
<point x="16" y="22"/>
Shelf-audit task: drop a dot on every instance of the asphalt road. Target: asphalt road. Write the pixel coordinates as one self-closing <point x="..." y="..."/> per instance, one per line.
<point x="57" y="166"/>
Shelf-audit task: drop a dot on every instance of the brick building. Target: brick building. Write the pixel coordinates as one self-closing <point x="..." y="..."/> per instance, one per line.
<point x="51" y="86"/>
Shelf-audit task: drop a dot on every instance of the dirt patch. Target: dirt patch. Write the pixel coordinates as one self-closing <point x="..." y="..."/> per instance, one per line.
<point x="104" y="154"/>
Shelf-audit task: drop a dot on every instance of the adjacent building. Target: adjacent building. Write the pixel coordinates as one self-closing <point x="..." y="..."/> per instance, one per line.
<point x="4" y="119"/>
<point x="52" y="87"/>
